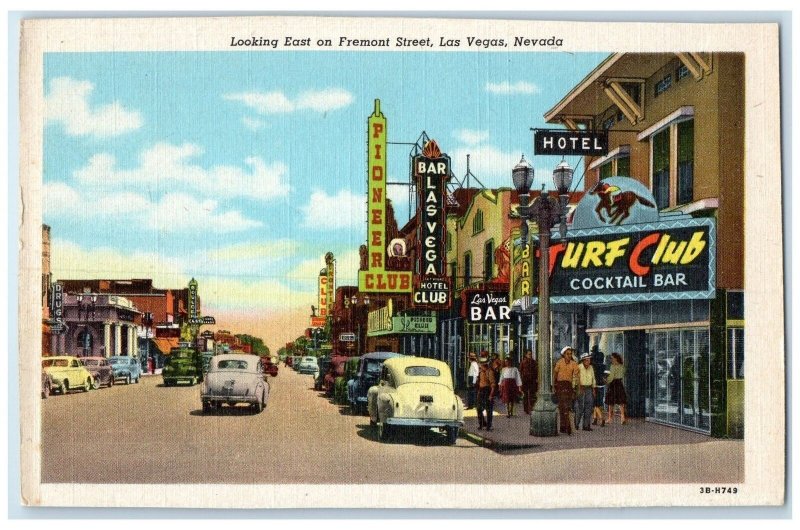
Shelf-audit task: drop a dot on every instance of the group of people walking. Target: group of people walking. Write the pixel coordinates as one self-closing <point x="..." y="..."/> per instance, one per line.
<point x="576" y="383"/>
<point x="491" y="377"/>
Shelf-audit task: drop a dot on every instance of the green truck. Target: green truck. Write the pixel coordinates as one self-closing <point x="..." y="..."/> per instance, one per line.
<point x="183" y="365"/>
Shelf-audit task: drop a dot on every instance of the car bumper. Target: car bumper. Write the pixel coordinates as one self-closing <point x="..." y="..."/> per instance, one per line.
<point x="423" y="422"/>
<point x="307" y="371"/>
<point x="250" y="398"/>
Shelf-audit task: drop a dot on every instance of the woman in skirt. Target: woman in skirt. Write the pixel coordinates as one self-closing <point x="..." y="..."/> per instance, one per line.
<point x="615" y="389"/>
<point x="510" y="385"/>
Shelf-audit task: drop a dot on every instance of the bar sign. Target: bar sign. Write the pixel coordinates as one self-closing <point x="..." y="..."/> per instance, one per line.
<point x="560" y="142"/>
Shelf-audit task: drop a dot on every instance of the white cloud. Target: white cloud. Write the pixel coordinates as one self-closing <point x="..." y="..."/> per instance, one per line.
<point x="217" y="290"/>
<point x="277" y="102"/>
<point x="491" y="165"/>
<point x="507" y="88"/>
<point x="254" y="124"/>
<point x="261" y="250"/>
<point x="166" y="165"/>
<point x="471" y="136"/>
<point x="173" y="212"/>
<point x="343" y="210"/>
<point x="346" y="269"/>
<point x="68" y="103"/>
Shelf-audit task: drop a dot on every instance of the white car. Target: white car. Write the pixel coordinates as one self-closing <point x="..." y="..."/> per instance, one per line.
<point x="308" y="365"/>
<point x="414" y="392"/>
<point x="232" y="379"/>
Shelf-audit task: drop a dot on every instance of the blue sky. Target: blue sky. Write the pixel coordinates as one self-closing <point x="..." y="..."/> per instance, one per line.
<point x="243" y="168"/>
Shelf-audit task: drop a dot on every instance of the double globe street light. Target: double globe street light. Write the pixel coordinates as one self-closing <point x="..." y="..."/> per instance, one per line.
<point x="546" y="212"/>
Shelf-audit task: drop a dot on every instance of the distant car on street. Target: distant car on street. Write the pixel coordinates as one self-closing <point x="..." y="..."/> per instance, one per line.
<point x="125" y="368"/>
<point x="101" y="370"/>
<point x="183" y="364"/>
<point x="340" y="385"/>
<point x="335" y="370"/>
<point x="367" y="375"/>
<point x="308" y="365"/>
<point x="414" y="392"/>
<point x="67" y="373"/>
<point x="234" y="379"/>
<point x="269" y="366"/>
<point x="296" y="362"/>
<point x="324" y="364"/>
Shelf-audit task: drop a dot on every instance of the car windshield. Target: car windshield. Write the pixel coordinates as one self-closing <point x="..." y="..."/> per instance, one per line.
<point x="54" y="362"/>
<point x="374" y="367"/>
<point x="232" y="364"/>
<point x="309" y="359"/>
<point x="114" y="361"/>
<point x="181" y="354"/>
<point x="423" y="371"/>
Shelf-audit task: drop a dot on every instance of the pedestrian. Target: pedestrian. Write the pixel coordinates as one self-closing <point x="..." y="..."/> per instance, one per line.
<point x="510" y="386"/>
<point x="496" y="366"/>
<point x="530" y="381"/>
<point x="615" y="389"/>
<point x="486" y="390"/>
<point x="565" y="376"/>
<point x="472" y="379"/>
<point x="598" y="416"/>
<point x="586" y="393"/>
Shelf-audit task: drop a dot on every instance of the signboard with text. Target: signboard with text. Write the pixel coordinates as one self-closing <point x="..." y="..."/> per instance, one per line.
<point x="322" y="294"/>
<point x="563" y="143"/>
<point x="376" y="279"/>
<point x="58" y="302"/>
<point x="487" y="306"/>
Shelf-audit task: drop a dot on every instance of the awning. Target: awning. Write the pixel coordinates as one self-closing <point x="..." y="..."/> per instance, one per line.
<point x="165" y="345"/>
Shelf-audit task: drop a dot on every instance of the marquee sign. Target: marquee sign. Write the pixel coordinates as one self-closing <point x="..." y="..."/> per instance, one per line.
<point x="431" y="170"/>
<point x="322" y="294"/>
<point x="668" y="260"/>
<point x="522" y="273"/>
<point x="424" y="323"/>
<point x="330" y="272"/>
<point x="561" y="142"/>
<point x="376" y="279"/>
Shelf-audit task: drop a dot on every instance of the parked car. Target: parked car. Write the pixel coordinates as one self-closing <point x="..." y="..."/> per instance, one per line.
<point x="101" y="370"/>
<point x="367" y="375"/>
<point x="67" y="373"/>
<point x="233" y="379"/>
<point x="296" y="362"/>
<point x="125" y="369"/>
<point x="336" y="369"/>
<point x="183" y="364"/>
<point x="324" y="364"/>
<point x="269" y="366"/>
<point x="206" y="355"/>
<point x="414" y="392"/>
<point x="340" y="390"/>
<point x="308" y="365"/>
<point x="47" y="384"/>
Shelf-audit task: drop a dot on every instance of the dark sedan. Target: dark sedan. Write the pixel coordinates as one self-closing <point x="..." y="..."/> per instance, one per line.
<point x="101" y="370"/>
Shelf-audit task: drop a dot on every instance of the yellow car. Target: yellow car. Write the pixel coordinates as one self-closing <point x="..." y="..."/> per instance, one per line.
<point x="67" y="373"/>
<point x="414" y="392"/>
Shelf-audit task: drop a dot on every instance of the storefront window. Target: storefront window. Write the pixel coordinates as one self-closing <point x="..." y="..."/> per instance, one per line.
<point x="678" y="390"/>
<point x="605" y="171"/>
<point x="624" y="166"/>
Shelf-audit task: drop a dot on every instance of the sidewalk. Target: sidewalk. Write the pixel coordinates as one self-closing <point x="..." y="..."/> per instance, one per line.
<point x="513" y="433"/>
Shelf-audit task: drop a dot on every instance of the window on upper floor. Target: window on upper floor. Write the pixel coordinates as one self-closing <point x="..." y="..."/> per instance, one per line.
<point x="467" y="268"/>
<point x="607" y="170"/>
<point x="488" y="260"/>
<point x="477" y="222"/>
<point x="681" y="72"/>
<point x="660" y="156"/>
<point x="662" y="85"/>
<point x="624" y="166"/>
<point x="685" y="162"/>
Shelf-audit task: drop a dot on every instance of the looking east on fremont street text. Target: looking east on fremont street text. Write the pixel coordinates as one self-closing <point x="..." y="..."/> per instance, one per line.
<point x="395" y="42"/>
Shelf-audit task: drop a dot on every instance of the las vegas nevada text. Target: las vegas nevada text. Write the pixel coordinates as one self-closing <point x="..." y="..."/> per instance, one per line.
<point x="439" y="267"/>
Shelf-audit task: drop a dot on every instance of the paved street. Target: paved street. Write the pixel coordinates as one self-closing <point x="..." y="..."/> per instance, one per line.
<point x="148" y="433"/>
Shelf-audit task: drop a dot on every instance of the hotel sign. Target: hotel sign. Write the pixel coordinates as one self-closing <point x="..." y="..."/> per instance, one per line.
<point x="376" y="279"/>
<point x="562" y="143"/>
<point x="671" y="260"/>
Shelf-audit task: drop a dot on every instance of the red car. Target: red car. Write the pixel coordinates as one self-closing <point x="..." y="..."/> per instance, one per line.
<point x="101" y="370"/>
<point x="269" y="367"/>
<point x="336" y="369"/>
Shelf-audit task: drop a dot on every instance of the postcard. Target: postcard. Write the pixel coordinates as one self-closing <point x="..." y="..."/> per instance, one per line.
<point x="294" y="262"/>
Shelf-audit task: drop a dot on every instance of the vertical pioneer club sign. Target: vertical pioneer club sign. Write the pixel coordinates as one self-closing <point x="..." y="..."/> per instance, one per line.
<point x="376" y="279"/>
<point x="330" y="270"/>
<point x="431" y="171"/>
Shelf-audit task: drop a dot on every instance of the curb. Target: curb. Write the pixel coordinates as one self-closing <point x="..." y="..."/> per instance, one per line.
<point x="495" y="445"/>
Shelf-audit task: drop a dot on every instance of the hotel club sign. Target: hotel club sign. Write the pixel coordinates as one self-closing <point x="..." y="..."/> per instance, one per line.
<point x="563" y="143"/>
<point x="431" y="171"/>
<point x="376" y="279"/>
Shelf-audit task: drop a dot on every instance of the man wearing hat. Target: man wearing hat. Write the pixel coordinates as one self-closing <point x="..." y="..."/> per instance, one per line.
<point x="586" y="392"/>
<point x="486" y="388"/>
<point x="565" y="377"/>
<point x="472" y="379"/>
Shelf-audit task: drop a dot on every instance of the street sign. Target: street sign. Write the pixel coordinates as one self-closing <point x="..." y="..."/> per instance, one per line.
<point x="209" y="320"/>
<point x="561" y="142"/>
<point x="347" y="337"/>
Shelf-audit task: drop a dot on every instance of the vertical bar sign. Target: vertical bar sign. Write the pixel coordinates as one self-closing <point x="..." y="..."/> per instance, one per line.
<point x="58" y="302"/>
<point x="431" y="170"/>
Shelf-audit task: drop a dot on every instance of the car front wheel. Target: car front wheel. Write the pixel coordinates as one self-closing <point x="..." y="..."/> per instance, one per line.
<point x="128" y="379"/>
<point x="89" y="385"/>
<point x="384" y="431"/>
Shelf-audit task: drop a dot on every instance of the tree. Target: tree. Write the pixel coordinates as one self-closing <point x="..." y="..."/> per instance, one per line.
<point x="256" y="344"/>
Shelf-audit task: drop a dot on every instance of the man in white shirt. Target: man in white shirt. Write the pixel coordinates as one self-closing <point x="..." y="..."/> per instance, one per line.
<point x="472" y="379"/>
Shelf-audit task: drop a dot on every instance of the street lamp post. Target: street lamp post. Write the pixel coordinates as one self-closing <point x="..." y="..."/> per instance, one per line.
<point x="546" y="212"/>
<point x="354" y="302"/>
<point x="86" y="307"/>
